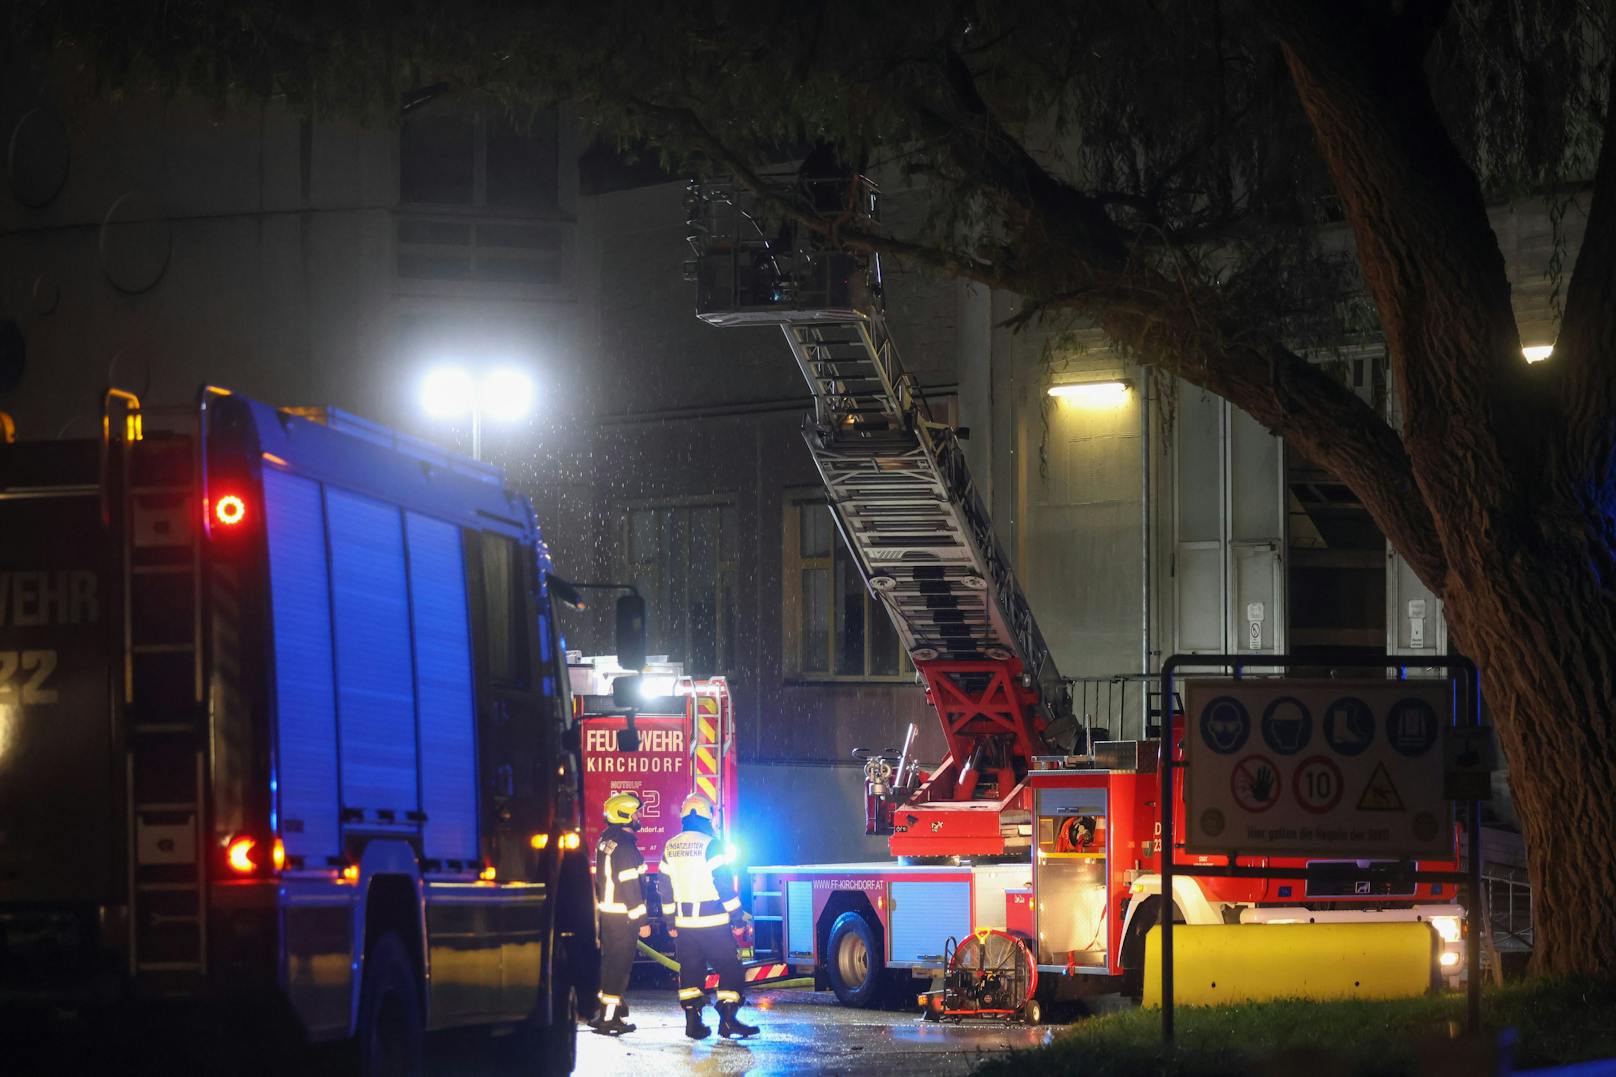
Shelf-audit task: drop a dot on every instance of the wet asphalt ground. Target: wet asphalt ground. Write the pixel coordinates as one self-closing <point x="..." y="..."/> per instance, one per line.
<point x="803" y="1032"/>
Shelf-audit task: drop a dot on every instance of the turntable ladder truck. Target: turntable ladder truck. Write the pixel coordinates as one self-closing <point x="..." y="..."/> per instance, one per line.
<point x="1024" y="827"/>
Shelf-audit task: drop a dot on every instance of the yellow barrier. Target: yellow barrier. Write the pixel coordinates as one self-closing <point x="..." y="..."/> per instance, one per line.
<point x="1222" y="963"/>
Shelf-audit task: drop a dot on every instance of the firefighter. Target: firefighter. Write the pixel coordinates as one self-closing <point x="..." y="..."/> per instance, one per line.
<point x="706" y="906"/>
<point x="622" y="905"/>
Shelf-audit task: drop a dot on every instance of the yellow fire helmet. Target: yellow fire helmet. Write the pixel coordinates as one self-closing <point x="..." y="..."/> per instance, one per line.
<point x="699" y="804"/>
<point x="621" y="808"/>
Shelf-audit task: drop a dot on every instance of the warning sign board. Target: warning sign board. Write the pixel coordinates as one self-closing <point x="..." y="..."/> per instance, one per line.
<point x="1340" y="768"/>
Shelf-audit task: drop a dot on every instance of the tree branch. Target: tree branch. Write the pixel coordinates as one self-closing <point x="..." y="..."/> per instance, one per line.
<point x="1315" y="414"/>
<point x="1166" y="323"/>
<point x="1430" y="259"/>
<point x="1585" y="354"/>
<point x="1420" y="20"/>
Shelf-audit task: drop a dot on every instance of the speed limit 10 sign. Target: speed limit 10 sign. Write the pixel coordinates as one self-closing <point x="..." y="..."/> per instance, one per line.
<point x="1326" y="768"/>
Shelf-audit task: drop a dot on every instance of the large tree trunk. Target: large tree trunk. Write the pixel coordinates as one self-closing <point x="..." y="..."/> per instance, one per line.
<point x="1540" y="620"/>
<point x="1500" y="452"/>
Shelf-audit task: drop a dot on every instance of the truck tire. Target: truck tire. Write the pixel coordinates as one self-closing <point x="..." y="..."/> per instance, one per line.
<point x="545" y="1048"/>
<point x="390" y="1018"/>
<point x="854" y="964"/>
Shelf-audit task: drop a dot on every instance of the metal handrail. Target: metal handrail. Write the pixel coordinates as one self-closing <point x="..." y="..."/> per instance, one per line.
<point x="131" y="404"/>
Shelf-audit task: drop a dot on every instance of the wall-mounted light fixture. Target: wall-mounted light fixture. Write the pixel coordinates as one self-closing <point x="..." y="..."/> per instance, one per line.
<point x="1536" y="353"/>
<point x="1092" y="394"/>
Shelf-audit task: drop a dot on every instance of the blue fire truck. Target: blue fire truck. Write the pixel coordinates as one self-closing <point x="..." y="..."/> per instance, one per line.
<point x="285" y="737"/>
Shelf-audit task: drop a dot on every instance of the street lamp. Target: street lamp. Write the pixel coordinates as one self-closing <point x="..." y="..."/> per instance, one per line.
<point x="503" y="393"/>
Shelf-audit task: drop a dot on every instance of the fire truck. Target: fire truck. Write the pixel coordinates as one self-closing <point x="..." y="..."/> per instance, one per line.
<point x="682" y="742"/>
<point x="1028" y="858"/>
<point x="285" y="737"/>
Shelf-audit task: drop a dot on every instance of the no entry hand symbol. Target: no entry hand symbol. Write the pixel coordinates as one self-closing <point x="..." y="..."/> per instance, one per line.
<point x="1255" y="783"/>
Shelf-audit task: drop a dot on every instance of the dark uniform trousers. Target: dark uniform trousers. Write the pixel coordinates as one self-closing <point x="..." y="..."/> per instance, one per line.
<point x="621" y="903"/>
<point x="697" y="948"/>
<point x="618" y="935"/>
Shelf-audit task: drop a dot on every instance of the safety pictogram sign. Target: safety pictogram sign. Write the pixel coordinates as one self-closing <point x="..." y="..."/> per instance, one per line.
<point x="1318" y="784"/>
<point x="1380" y="794"/>
<point x="1255" y="783"/>
<point x="1349" y="768"/>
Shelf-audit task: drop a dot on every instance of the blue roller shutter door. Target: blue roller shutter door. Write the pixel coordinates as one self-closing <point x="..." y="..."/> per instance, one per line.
<point x="444" y="687"/>
<point x="924" y="916"/>
<point x="306" y="719"/>
<point x="375" y="682"/>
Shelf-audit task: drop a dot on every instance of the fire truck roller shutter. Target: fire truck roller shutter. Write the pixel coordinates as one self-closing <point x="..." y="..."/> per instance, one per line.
<point x="306" y="722"/>
<point x="443" y="683"/>
<point x="375" y="690"/>
<point x="1222" y="963"/>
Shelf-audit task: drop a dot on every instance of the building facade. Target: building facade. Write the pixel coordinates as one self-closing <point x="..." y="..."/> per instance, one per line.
<point x="159" y="244"/>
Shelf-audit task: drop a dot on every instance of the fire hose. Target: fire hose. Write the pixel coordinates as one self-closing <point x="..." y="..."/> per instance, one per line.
<point x="673" y="966"/>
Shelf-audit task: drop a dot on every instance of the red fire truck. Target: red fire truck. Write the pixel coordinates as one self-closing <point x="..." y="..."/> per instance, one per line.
<point x="684" y="743"/>
<point x="1033" y="849"/>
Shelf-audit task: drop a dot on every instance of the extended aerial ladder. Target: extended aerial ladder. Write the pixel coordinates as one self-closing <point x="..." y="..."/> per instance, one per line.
<point x="906" y="505"/>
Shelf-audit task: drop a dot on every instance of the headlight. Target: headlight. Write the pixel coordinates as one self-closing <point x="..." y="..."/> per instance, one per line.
<point x="1447" y="927"/>
<point x="1449" y="958"/>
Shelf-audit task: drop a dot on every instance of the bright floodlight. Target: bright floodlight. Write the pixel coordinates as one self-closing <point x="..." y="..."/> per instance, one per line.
<point x="447" y="393"/>
<point x="1536" y="353"/>
<point x="506" y="393"/>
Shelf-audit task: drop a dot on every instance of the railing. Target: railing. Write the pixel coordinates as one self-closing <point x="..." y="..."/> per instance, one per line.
<point x="1509" y="907"/>
<point x="1123" y="706"/>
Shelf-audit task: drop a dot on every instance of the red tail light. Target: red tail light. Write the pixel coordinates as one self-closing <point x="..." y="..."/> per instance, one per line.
<point x="249" y="856"/>
<point x="229" y="511"/>
<point x="239" y="855"/>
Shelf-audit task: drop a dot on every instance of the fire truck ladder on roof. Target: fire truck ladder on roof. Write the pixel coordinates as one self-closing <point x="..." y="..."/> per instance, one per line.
<point x="899" y="486"/>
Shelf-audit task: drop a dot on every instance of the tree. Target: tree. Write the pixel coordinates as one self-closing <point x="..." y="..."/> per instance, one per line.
<point x="1164" y="170"/>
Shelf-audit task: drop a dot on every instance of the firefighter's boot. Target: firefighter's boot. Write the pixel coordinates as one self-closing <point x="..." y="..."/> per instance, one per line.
<point x="731" y="1026"/>
<point x="608" y="1021"/>
<point x="693" y="1026"/>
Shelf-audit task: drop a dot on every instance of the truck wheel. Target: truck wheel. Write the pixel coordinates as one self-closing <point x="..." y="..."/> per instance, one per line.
<point x="390" y="1020"/>
<point x="854" y="963"/>
<point x="544" y="1048"/>
<point x="1133" y="946"/>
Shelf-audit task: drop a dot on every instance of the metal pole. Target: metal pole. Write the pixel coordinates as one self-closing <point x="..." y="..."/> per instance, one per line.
<point x="1144" y="564"/>
<point x="1473" y="824"/>
<point x="1165" y="852"/>
<point x="476" y="433"/>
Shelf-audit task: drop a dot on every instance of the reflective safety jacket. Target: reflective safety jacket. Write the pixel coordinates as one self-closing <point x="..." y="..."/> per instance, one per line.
<point x="699" y="867"/>
<point x="618" y="868"/>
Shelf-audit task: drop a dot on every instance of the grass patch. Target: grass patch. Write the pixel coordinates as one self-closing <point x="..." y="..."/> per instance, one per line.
<point x="1555" y="1022"/>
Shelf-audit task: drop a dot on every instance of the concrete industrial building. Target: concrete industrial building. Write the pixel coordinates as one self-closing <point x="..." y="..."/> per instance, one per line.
<point x="157" y="244"/>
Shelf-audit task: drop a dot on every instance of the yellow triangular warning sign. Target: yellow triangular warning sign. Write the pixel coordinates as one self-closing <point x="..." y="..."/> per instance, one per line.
<point x="1380" y="794"/>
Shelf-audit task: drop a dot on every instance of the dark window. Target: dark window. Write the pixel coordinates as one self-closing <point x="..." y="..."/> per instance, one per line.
<point x="479" y="159"/>
<point x="505" y="606"/>
<point x="521" y="162"/>
<point x="833" y="626"/>
<point x="683" y="560"/>
<point x="437" y="160"/>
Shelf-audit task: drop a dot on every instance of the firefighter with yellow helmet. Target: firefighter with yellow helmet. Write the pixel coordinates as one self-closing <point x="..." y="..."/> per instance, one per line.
<point x="621" y="901"/>
<point x="698" y="865"/>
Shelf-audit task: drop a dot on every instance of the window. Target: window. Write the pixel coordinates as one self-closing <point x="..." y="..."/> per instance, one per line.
<point x="478" y="159"/>
<point x="479" y="195"/>
<point x="504" y="611"/>
<point x="834" y="627"/>
<point x="683" y="560"/>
